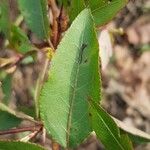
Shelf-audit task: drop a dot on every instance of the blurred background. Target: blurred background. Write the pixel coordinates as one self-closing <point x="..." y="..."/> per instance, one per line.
<point x="125" y="79"/>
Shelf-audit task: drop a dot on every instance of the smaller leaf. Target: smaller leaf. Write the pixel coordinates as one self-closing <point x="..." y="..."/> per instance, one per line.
<point x="19" y="40"/>
<point x="76" y="7"/>
<point x="14" y="145"/>
<point x="27" y="110"/>
<point x="104" y="13"/>
<point x="94" y="4"/>
<point x="4" y="18"/>
<point x="8" y="120"/>
<point x="126" y="140"/>
<point x="136" y="135"/>
<point x="35" y="15"/>
<point x="107" y="130"/>
<point x="19" y="115"/>
<point x="63" y="2"/>
<point x="6" y="88"/>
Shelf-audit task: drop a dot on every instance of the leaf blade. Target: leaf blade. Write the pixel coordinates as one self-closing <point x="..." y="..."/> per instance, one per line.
<point x="35" y="14"/>
<point x="107" y="11"/>
<point x="93" y="4"/>
<point x="19" y="40"/>
<point x="4" y="18"/>
<point x="16" y="114"/>
<point x="106" y="129"/>
<point x="76" y="7"/>
<point x="8" y="120"/>
<point x="6" y="88"/>
<point x="68" y="109"/>
<point x="10" y="145"/>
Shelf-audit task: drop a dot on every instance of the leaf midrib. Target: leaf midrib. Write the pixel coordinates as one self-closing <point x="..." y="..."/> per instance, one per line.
<point x="73" y="94"/>
<point x="71" y="104"/>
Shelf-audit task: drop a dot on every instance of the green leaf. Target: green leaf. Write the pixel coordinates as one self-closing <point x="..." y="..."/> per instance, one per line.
<point x="4" y="18"/>
<point x="73" y="77"/>
<point x="102" y="10"/>
<point x="12" y="145"/>
<point x="19" y="40"/>
<point x="63" y="2"/>
<point x="28" y="60"/>
<point x="125" y="140"/>
<point x="35" y="14"/>
<point x="76" y="7"/>
<point x="6" y="88"/>
<point x="107" y="130"/>
<point x="8" y="121"/>
<point x="27" y="110"/>
<point x="93" y="4"/>
<point x="103" y="13"/>
<point x="18" y="115"/>
<point x="138" y="139"/>
<point x="135" y="135"/>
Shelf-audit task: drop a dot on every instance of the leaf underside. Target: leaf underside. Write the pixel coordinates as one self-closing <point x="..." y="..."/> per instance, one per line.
<point x="135" y="135"/>
<point x="73" y="78"/>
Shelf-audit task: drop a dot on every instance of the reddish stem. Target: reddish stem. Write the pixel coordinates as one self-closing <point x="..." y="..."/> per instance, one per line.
<point x="24" y="129"/>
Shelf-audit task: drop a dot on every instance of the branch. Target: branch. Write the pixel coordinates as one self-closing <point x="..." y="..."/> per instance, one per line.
<point x="23" y="129"/>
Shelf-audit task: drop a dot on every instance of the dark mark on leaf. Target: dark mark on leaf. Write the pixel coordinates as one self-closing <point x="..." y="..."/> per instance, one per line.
<point x="85" y="61"/>
<point x="90" y="114"/>
<point x="81" y="52"/>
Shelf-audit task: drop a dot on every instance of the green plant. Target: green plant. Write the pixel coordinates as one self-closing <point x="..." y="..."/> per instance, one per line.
<point x="67" y="103"/>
